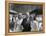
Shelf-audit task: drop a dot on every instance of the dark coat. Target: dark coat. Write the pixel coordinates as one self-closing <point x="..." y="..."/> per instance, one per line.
<point x="26" y="25"/>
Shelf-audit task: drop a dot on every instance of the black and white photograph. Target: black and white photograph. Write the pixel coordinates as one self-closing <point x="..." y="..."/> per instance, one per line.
<point x="25" y="18"/>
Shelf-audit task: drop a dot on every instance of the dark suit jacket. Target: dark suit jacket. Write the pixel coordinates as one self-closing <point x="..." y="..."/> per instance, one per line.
<point x="26" y="25"/>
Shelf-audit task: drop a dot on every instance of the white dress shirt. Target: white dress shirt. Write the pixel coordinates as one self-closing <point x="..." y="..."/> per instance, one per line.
<point x="18" y="23"/>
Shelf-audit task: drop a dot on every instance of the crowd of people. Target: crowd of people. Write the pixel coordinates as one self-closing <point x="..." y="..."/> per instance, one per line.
<point x="26" y="22"/>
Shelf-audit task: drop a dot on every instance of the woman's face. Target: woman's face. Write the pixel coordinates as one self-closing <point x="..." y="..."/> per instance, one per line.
<point x="23" y="16"/>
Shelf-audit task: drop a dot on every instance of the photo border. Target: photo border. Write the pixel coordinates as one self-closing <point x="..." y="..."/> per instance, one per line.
<point x="7" y="17"/>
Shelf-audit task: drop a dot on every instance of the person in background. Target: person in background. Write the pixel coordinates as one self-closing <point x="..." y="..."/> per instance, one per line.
<point x="39" y="20"/>
<point x="12" y="24"/>
<point x="32" y="21"/>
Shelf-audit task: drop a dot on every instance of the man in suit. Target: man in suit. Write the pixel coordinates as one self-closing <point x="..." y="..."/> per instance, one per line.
<point x="26" y="24"/>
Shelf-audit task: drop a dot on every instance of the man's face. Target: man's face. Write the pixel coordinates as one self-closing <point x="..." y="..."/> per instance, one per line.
<point x="32" y="15"/>
<point x="19" y="16"/>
